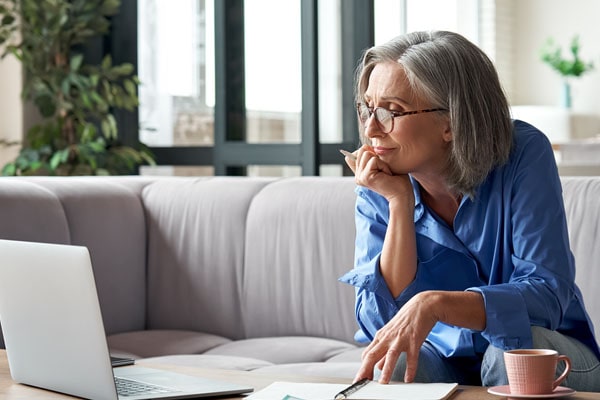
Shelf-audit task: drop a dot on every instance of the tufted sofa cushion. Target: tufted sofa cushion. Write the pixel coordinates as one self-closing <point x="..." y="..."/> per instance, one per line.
<point x="300" y="239"/>
<point x="196" y="242"/>
<point x="582" y="207"/>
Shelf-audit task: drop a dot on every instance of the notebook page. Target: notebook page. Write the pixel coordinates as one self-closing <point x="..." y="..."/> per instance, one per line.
<point x="413" y="391"/>
<point x="372" y="391"/>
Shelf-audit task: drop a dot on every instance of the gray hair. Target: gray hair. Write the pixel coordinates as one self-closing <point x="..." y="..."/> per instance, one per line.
<point x="452" y="73"/>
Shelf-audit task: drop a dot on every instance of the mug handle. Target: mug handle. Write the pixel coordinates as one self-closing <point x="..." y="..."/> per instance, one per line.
<point x="562" y="376"/>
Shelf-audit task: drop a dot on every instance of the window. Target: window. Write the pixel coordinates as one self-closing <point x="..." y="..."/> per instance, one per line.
<point x="176" y="68"/>
<point x="393" y="17"/>
<point x="273" y="71"/>
<point x="263" y="87"/>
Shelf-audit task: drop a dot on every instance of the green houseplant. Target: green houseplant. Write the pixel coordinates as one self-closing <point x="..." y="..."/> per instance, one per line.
<point x="78" y="132"/>
<point x="574" y="66"/>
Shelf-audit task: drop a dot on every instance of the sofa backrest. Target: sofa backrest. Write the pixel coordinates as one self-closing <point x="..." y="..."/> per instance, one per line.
<point x="105" y="215"/>
<point x="196" y="242"/>
<point x="299" y="241"/>
<point x="582" y="207"/>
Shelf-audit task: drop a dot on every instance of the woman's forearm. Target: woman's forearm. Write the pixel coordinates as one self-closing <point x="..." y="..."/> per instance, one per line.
<point x="398" y="263"/>
<point x="464" y="309"/>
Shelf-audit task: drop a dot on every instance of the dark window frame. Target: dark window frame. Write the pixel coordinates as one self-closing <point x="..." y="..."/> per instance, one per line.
<point x="230" y="154"/>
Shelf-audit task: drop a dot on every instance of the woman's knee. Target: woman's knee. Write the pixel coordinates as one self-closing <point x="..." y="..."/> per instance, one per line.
<point x="544" y="338"/>
<point x="585" y="371"/>
<point x="493" y="370"/>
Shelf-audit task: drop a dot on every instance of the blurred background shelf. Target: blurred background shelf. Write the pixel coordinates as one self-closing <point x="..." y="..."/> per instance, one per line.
<point x="575" y="136"/>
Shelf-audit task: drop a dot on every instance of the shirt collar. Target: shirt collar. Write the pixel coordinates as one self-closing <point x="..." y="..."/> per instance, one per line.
<point x="427" y="225"/>
<point x="418" y="203"/>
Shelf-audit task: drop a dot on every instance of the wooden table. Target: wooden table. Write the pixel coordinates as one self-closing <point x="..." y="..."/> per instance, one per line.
<point x="10" y="390"/>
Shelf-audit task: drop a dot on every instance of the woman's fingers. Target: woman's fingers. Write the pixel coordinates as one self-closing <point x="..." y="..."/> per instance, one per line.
<point x="412" y="359"/>
<point x="350" y="159"/>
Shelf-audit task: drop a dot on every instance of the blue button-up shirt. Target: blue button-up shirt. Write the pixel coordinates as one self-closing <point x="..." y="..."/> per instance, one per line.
<point x="509" y="243"/>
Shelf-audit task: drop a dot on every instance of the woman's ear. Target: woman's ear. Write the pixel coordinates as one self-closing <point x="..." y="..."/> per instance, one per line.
<point x="447" y="136"/>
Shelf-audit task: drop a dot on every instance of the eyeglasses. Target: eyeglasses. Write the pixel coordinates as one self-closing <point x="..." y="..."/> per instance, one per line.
<point x="385" y="117"/>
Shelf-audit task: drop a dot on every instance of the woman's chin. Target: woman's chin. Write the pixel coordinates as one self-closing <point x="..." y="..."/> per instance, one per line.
<point x="399" y="171"/>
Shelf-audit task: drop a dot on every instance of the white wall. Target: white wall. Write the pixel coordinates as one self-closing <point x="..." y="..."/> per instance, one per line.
<point x="535" y="83"/>
<point x="11" y="109"/>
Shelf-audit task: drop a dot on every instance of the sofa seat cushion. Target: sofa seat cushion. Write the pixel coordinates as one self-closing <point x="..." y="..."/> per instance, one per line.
<point x="152" y="343"/>
<point x="352" y="355"/>
<point x="346" y="370"/>
<point x="284" y="349"/>
<point x="208" y="361"/>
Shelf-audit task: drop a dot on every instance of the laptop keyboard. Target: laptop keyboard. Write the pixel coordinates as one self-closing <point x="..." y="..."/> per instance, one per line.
<point x="127" y="387"/>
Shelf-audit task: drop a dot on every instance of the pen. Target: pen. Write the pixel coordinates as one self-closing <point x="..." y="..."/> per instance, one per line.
<point x="351" y="389"/>
<point x="348" y="154"/>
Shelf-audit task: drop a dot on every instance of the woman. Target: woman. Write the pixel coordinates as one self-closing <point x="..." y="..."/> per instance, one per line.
<point x="462" y="248"/>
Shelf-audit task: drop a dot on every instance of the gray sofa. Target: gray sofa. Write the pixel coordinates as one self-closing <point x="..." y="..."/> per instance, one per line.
<point x="236" y="273"/>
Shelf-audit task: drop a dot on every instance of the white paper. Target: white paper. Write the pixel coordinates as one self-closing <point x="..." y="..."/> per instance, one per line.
<point x="372" y="391"/>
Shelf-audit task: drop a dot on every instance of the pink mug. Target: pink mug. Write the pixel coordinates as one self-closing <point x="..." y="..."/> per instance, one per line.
<point x="532" y="371"/>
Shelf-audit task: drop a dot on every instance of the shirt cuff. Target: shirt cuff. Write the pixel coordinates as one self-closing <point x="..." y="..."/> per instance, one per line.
<point x="368" y="277"/>
<point x="507" y="321"/>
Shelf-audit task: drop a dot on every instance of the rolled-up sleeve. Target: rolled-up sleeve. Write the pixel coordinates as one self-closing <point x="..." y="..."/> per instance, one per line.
<point x="508" y="324"/>
<point x="374" y="302"/>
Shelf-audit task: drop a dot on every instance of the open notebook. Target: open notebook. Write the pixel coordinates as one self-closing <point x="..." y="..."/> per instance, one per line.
<point x="372" y="391"/>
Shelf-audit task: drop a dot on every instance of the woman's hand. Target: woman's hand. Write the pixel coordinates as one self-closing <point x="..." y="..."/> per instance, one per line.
<point x="405" y="333"/>
<point x="372" y="172"/>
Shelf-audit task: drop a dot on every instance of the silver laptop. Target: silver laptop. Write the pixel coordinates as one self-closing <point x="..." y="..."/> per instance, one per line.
<point x="54" y="333"/>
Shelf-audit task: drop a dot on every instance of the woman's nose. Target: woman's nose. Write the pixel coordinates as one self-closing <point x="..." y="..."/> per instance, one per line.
<point x="372" y="128"/>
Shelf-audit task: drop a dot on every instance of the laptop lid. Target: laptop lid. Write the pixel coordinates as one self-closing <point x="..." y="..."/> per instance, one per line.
<point x="53" y="328"/>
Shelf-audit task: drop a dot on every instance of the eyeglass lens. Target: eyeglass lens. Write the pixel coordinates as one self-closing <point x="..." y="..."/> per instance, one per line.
<point x="383" y="117"/>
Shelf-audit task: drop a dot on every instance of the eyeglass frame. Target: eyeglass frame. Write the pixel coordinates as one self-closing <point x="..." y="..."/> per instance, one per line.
<point x="393" y="114"/>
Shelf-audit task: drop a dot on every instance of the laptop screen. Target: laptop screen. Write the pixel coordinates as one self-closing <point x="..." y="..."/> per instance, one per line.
<point x="53" y="328"/>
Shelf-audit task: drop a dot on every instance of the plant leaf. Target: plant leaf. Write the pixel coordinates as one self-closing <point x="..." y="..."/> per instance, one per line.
<point x="9" y="169"/>
<point x="70" y="95"/>
<point x="76" y="62"/>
